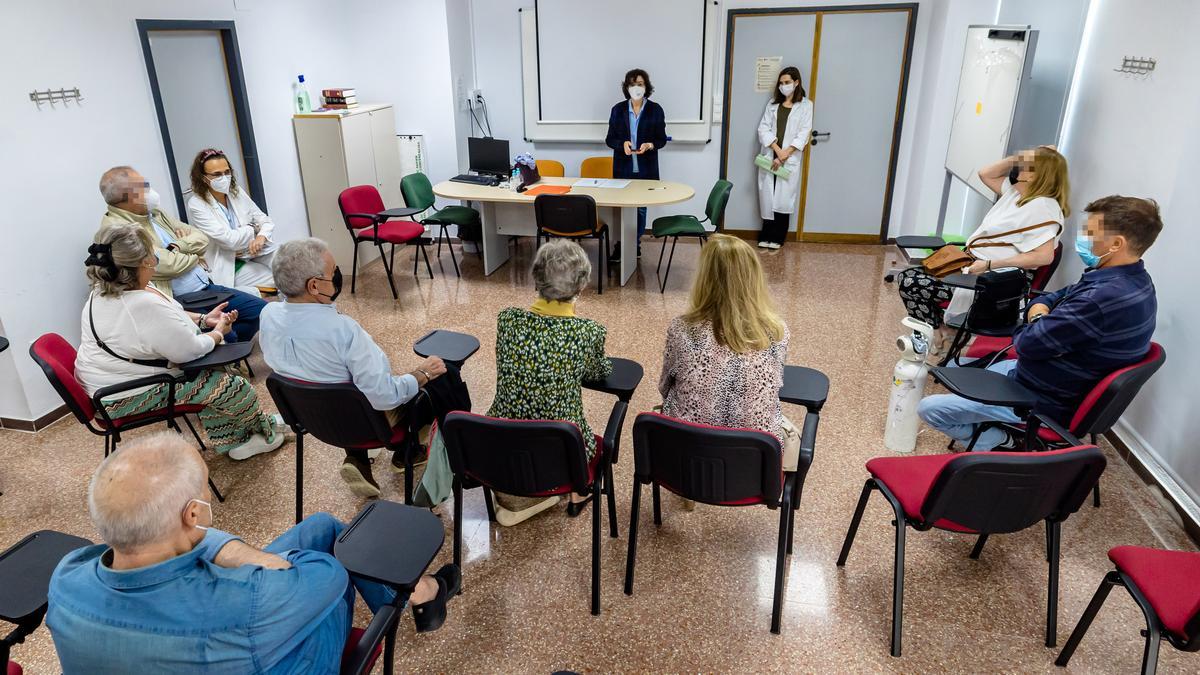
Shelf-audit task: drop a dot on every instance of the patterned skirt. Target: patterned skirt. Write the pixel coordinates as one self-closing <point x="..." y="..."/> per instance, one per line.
<point x="231" y="414"/>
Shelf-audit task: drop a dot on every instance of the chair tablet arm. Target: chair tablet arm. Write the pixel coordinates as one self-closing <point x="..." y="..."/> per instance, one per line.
<point x="808" y="443"/>
<point x="1057" y="428"/>
<point x="612" y="432"/>
<point x="373" y="217"/>
<point x="362" y="657"/>
<point x="105" y="392"/>
<point x="984" y="386"/>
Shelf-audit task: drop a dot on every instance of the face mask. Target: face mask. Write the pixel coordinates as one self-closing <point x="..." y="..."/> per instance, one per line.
<point x="636" y="92"/>
<point x="152" y="199"/>
<point x="201" y="501"/>
<point x="336" y="280"/>
<point x="221" y="184"/>
<point x="787" y="89"/>
<point x="1083" y="246"/>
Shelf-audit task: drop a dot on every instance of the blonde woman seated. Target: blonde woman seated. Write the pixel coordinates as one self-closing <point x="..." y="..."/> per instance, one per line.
<point x="543" y="356"/>
<point x="723" y="362"/>
<point x="131" y="330"/>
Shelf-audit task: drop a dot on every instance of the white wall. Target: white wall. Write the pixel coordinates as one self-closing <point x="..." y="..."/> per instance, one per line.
<point x="498" y="74"/>
<point x="54" y="203"/>
<point x="1139" y="137"/>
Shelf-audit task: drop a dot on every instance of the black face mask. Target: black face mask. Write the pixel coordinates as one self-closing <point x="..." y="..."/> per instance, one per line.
<point x="337" y="284"/>
<point x="1013" y="173"/>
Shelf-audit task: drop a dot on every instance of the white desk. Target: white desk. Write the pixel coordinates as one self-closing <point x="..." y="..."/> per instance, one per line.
<point x="506" y="213"/>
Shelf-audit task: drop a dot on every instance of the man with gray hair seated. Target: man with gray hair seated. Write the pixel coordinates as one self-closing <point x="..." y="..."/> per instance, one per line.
<point x="305" y="338"/>
<point x="168" y="592"/>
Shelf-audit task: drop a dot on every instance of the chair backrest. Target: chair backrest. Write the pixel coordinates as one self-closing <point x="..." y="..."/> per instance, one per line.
<point x="596" y="167"/>
<point x="718" y="197"/>
<point x="359" y="199"/>
<point x="999" y="298"/>
<point x="417" y="191"/>
<point x="1042" y="275"/>
<point x="566" y="215"/>
<point x="56" y="356"/>
<point x="551" y="167"/>
<point x="998" y="492"/>
<point x="1107" y="401"/>
<point x="336" y="413"/>
<point x="519" y="457"/>
<point x="714" y="465"/>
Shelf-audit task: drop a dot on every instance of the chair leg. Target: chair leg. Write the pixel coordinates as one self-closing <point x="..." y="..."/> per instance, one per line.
<point x="634" y="509"/>
<point x="450" y="248"/>
<point x="612" y="502"/>
<point x="216" y="493"/>
<point x="974" y="438"/>
<point x="392" y="257"/>
<point x="107" y="438"/>
<point x="458" y="520"/>
<point x="666" y="275"/>
<point x="1150" y="653"/>
<point x="1095" y="490"/>
<point x="489" y="503"/>
<point x="661" y="250"/>
<point x="299" y="477"/>
<point x="791" y="529"/>
<point x="596" y="547"/>
<point x="1054" y="528"/>
<point x="354" y="268"/>
<point x="600" y="273"/>
<point x="657" y="504"/>
<point x="898" y="585"/>
<point x="408" y="472"/>
<point x="1111" y="579"/>
<point x="978" y="546"/>
<point x="858" y="514"/>
<point x="389" y="651"/>
<point x="191" y="428"/>
<point x="785" y="516"/>
<point x="388" y="269"/>
<point x="425" y="255"/>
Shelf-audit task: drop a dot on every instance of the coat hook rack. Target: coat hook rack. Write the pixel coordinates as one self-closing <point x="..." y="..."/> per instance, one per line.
<point x="52" y="95"/>
<point x="1137" y="65"/>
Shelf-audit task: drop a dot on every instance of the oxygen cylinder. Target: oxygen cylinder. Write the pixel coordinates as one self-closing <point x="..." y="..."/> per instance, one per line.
<point x="908" y="387"/>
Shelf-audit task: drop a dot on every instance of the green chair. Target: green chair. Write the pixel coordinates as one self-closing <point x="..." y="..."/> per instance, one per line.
<point x="690" y="226"/>
<point x="418" y="194"/>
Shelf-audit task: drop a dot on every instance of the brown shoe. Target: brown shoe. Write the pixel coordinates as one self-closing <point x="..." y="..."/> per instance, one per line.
<point x="357" y="475"/>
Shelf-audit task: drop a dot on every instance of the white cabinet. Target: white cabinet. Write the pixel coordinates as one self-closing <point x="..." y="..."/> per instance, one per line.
<point x="340" y="151"/>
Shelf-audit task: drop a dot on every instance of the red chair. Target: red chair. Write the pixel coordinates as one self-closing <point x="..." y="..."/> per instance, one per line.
<point x="362" y="212"/>
<point x="340" y="415"/>
<point x="719" y="466"/>
<point x="1164" y="585"/>
<point x="363" y="646"/>
<point x="532" y="458"/>
<point x="56" y="357"/>
<point x="980" y="494"/>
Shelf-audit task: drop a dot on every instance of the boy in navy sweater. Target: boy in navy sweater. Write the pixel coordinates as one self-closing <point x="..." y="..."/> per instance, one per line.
<point x="1076" y="336"/>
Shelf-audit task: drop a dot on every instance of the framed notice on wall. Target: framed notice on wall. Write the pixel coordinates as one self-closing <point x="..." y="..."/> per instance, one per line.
<point x="766" y="71"/>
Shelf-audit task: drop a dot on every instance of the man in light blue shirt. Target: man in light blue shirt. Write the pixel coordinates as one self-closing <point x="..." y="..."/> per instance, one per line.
<point x="167" y="592"/>
<point x="305" y="338"/>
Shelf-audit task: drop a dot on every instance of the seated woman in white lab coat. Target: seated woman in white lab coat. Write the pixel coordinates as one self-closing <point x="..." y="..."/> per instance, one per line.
<point x="241" y="248"/>
<point x="784" y="132"/>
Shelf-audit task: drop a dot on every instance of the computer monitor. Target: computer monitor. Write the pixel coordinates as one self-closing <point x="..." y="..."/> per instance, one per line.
<point x="489" y="156"/>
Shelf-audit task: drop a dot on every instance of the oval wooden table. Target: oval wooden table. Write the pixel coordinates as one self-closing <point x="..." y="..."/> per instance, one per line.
<point x="506" y="213"/>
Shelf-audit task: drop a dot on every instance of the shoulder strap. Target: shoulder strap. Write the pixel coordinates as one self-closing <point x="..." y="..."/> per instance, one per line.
<point x="151" y="363"/>
<point x="1019" y="230"/>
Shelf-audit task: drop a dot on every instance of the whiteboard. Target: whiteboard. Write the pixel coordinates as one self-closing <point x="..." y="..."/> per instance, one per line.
<point x="989" y="86"/>
<point x="574" y="54"/>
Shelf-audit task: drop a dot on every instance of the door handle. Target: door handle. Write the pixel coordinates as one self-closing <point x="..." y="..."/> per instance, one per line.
<point x="817" y="136"/>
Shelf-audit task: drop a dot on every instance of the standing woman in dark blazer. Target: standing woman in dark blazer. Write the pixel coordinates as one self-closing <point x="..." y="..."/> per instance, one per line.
<point x="637" y="128"/>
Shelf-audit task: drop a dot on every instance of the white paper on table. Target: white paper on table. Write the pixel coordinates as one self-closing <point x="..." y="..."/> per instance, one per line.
<point x="602" y="182"/>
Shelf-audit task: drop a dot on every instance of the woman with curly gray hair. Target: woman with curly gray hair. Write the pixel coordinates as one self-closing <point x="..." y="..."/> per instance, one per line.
<point x="543" y="355"/>
<point x="132" y="331"/>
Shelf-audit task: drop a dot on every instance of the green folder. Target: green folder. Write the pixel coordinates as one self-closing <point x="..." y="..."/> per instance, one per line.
<point x="764" y="162"/>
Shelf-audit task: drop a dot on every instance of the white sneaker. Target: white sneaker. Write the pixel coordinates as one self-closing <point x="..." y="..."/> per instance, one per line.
<point x="774" y="246"/>
<point x="509" y="518"/>
<point x="764" y="244"/>
<point x="372" y="454"/>
<point x="257" y="445"/>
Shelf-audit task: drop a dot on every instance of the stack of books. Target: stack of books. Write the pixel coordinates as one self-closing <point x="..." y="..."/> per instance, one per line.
<point x="340" y="98"/>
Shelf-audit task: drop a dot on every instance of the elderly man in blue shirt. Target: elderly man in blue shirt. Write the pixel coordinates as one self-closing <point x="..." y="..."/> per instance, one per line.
<point x="167" y="592"/>
<point x="305" y="338"/>
<point x="1076" y="336"/>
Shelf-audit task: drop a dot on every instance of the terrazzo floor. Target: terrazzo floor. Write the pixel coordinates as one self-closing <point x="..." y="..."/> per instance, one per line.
<point x="704" y="578"/>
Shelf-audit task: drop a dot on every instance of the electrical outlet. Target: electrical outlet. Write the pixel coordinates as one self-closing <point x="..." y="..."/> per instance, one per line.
<point x="477" y="95"/>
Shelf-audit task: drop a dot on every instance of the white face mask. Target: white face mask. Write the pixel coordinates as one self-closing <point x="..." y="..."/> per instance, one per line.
<point x="787" y="89"/>
<point x="152" y="199"/>
<point x="636" y="92"/>
<point x="210" y="518"/>
<point x="221" y="184"/>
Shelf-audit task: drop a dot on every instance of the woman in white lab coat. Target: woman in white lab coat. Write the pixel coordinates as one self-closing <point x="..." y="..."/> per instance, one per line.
<point x="240" y="250"/>
<point x="784" y="132"/>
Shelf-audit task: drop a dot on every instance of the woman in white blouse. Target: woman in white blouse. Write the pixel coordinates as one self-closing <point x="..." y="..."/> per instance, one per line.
<point x="784" y="131"/>
<point x="241" y="251"/>
<point x="130" y="331"/>
<point x="1020" y="230"/>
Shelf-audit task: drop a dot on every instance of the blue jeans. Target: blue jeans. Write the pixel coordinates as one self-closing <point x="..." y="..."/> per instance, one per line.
<point x="641" y="224"/>
<point x="318" y="532"/>
<point x="248" y="308"/>
<point x="957" y="417"/>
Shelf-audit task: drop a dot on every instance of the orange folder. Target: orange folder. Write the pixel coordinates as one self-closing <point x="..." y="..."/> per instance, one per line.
<point x="548" y="190"/>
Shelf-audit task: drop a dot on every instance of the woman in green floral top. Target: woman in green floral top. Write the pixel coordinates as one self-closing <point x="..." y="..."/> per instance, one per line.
<point x="545" y="353"/>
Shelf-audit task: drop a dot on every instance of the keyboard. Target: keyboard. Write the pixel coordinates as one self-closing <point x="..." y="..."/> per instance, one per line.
<point x="475" y="179"/>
